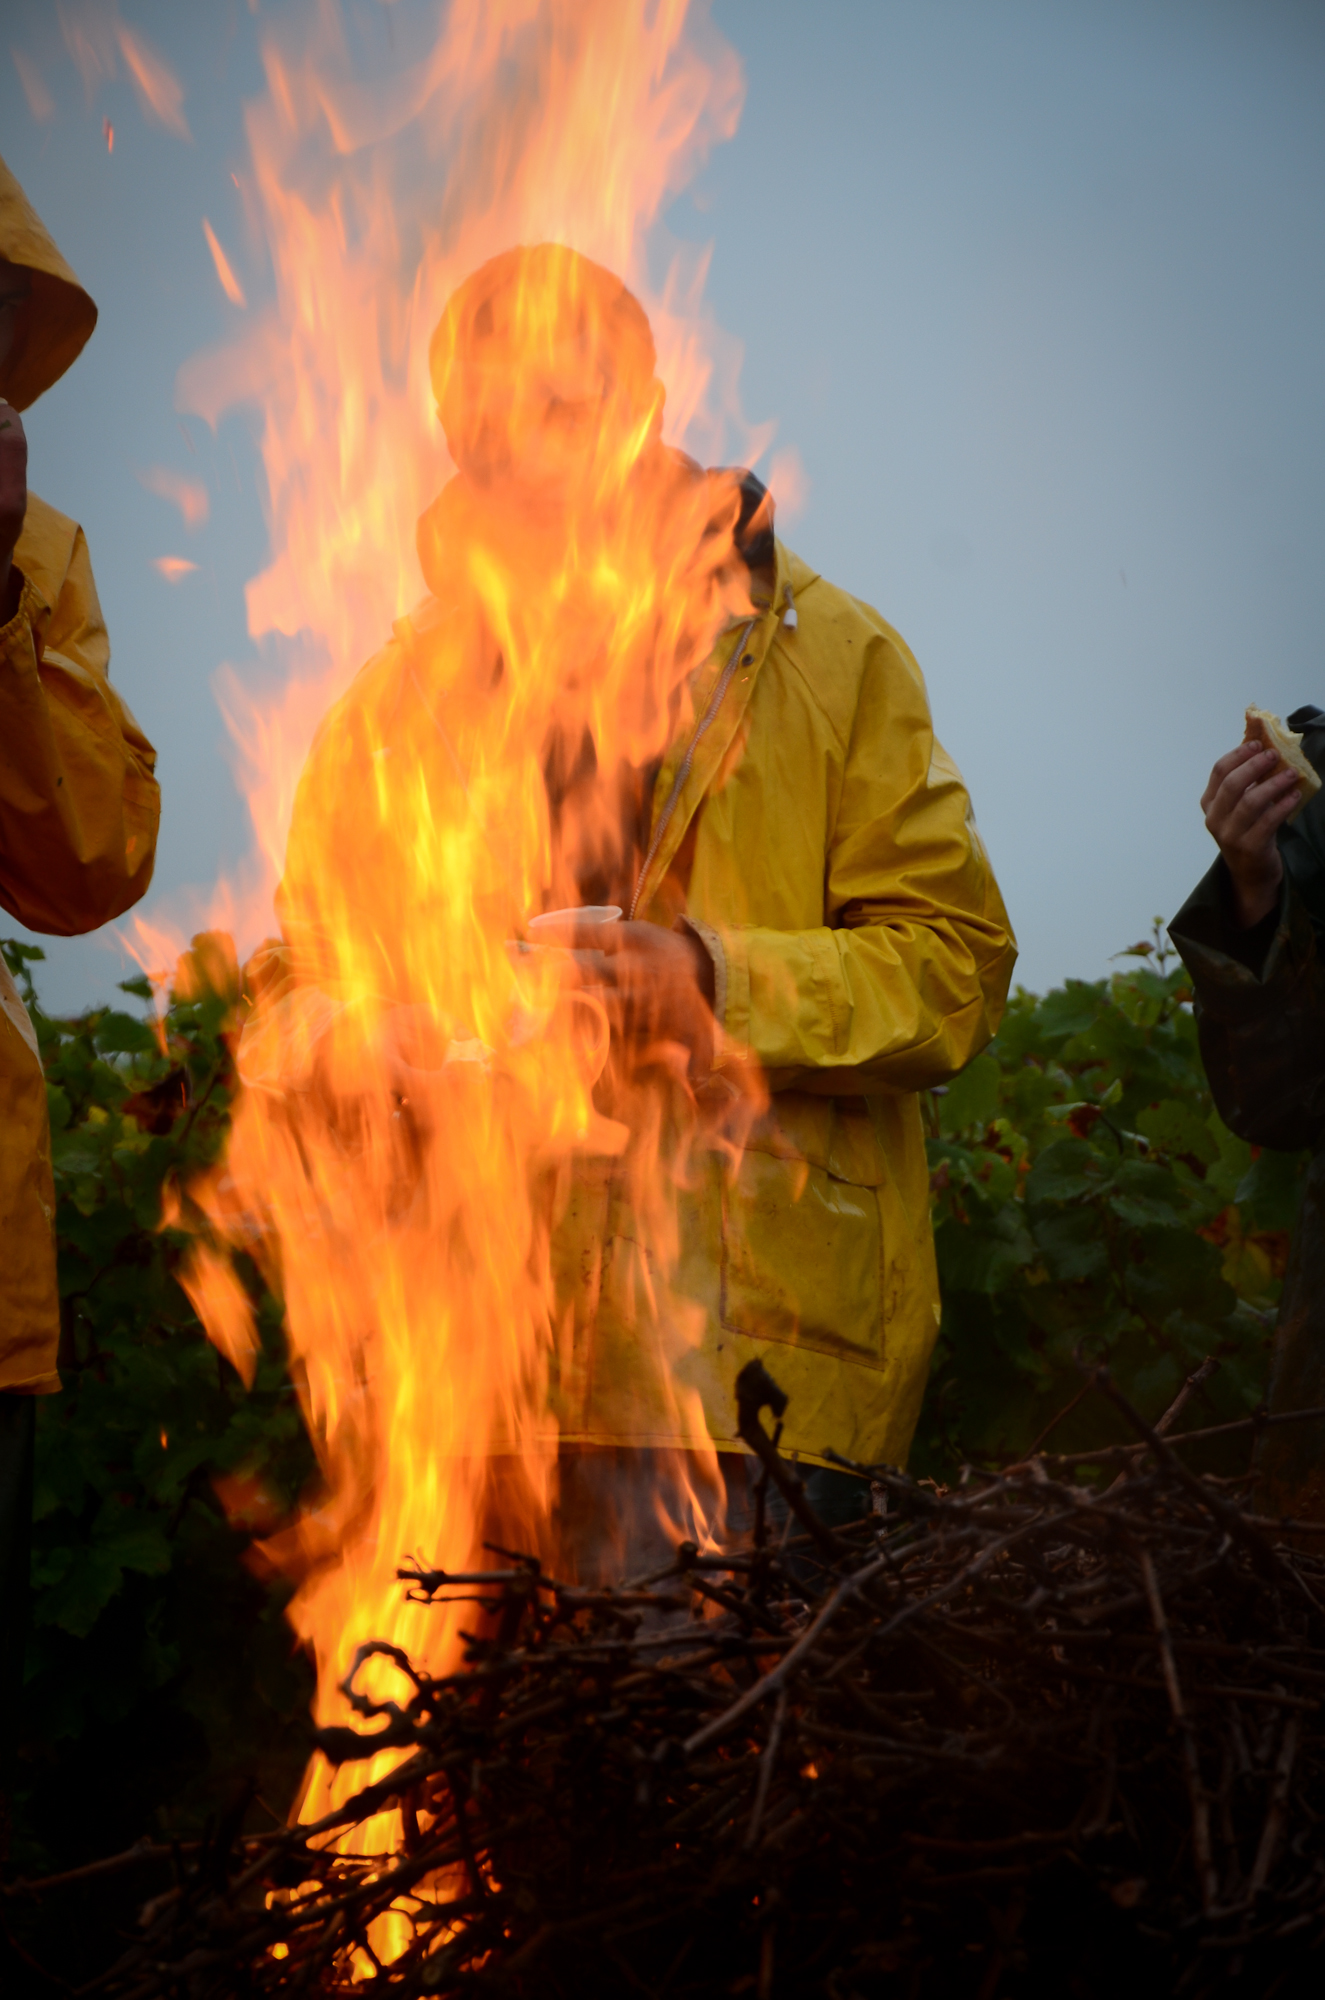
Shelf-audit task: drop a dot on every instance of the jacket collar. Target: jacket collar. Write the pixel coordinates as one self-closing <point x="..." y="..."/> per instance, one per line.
<point x="722" y="694"/>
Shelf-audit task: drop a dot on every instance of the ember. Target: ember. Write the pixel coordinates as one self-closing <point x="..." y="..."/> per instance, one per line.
<point x="1032" y="1730"/>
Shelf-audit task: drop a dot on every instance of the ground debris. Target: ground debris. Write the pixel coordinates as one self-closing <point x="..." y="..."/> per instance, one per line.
<point x="1043" y="1733"/>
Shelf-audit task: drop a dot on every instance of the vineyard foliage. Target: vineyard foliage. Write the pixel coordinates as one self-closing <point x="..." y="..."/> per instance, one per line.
<point x="1091" y="1205"/>
<point x="160" y="1673"/>
<point x="1087" y="1199"/>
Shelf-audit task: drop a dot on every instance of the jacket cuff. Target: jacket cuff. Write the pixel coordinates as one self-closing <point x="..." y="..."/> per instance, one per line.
<point x="1234" y="981"/>
<point x="731" y="989"/>
<point x="716" y="950"/>
<point x="48" y="1383"/>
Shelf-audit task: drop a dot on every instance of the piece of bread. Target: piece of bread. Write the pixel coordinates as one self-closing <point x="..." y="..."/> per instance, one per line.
<point x="1262" y="727"/>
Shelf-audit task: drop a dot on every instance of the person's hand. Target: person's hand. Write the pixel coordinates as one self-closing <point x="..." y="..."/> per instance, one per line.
<point x="657" y="986"/>
<point x="13" y="504"/>
<point x="1245" y="803"/>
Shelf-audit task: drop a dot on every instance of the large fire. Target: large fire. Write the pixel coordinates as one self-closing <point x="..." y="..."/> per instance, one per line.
<point x="419" y="1088"/>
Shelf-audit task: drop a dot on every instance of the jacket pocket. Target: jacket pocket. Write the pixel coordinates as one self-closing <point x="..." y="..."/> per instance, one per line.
<point x="802" y="1257"/>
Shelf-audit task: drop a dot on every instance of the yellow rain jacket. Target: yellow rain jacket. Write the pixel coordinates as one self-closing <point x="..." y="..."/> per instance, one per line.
<point x="830" y="862"/>
<point x="862" y="954"/>
<point x="78" y="802"/>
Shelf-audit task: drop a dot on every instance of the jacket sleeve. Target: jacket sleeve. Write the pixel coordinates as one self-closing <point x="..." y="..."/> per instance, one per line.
<point x="78" y="800"/>
<point x="907" y="978"/>
<point x="1261" y="1005"/>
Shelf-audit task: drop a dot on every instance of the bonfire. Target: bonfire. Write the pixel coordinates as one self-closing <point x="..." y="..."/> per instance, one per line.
<point x="789" y="1759"/>
<point x="1055" y="1731"/>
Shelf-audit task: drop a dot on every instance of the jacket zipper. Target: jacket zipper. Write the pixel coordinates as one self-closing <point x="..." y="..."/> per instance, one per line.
<point x="678" y="783"/>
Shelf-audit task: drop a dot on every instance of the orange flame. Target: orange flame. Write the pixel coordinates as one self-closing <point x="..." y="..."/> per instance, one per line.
<point x="40" y="102"/>
<point x="230" y="284"/>
<point x="421" y="1096"/>
<point x="157" y="85"/>
<point x="189" y="495"/>
<point x="98" y="40"/>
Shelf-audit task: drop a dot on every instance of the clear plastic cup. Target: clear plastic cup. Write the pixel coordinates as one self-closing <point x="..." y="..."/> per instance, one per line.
<point x="561" y="927"/>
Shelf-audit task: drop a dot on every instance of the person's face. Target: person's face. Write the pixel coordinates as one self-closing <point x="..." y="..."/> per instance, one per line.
<point x="15" y="289"/>
<point x="556" y="426"/>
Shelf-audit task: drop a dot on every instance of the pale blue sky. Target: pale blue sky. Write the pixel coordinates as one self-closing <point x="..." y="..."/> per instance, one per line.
<point x="1037" y="292"/>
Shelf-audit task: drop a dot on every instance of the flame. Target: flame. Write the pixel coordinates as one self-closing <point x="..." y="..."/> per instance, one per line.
<point x="230" y="284"/>
<point x="40" y="102"/>
<point x="221" y="1303"/>
<point x="158" y="87"/>
<point x="98" y="40"/>
<point x="789" y="483"/>
<point x="173" y="568"/>
<point x="420" y="1096"/>
<point x="189" y="495"/>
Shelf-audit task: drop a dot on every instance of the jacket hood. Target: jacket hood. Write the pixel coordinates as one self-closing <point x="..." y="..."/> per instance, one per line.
<point x="54" y="323"/>
<point x="534" y="327"/>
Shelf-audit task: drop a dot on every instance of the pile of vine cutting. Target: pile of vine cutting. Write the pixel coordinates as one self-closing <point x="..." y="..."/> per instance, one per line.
<point x="1086" y="1195"/>
<point x="1054" y="1729"/>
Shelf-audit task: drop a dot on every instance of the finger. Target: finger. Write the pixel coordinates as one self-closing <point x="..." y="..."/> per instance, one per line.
<point x="1273" y="816"/>
<point x="1242" y="832"/>
<point x="602" y="938"/>
<point x="1251" y="830"/>
<point x="1232" y="774"/>
<point x="1242" y="796"/>
<point x="592" y="968"/>
<point x="1231" y="760"/>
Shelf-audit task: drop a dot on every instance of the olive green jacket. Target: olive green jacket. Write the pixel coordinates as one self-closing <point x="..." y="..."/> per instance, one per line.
<point x="1261" y="1005"/>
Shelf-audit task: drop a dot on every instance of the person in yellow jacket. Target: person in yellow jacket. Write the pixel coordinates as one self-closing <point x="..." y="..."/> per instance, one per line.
<point x="78" y="819"/>
<point x="808" y="899"/>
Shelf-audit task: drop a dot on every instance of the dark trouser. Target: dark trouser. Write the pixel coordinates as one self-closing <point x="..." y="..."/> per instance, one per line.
<point x="609" y="1526"/>
<point x="1290" y="1459"/>
<point x="17" y="1430"/>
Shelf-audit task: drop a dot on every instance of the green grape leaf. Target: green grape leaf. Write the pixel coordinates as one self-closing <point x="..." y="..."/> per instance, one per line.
<point x="1174" y="1127"/>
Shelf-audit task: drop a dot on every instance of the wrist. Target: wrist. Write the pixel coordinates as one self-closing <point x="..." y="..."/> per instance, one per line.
<point x="1256" y="894"/>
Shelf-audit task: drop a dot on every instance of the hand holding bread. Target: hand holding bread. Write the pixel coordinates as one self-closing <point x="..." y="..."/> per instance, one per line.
<point x="1252" y="792"/>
